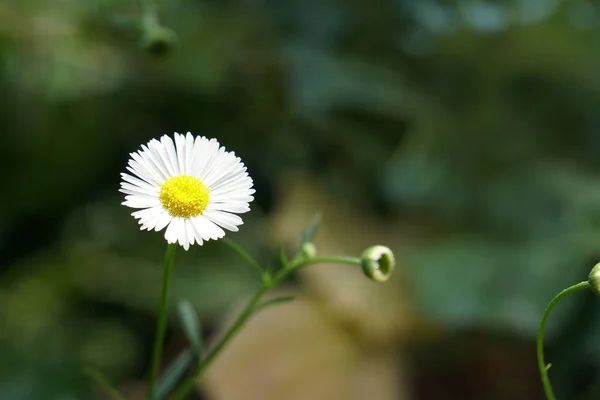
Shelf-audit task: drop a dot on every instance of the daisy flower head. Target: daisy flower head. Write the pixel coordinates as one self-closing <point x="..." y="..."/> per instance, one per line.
<point x="191" y="186"/>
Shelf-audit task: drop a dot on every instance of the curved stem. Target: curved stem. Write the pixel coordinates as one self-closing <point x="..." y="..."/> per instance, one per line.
<point x="540" y="337"/>
<point x="248" y="311"/>
<point x="161" y="322"/>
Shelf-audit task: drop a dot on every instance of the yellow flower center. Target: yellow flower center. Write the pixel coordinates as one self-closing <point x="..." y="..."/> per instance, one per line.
<point x="184" y="196"/>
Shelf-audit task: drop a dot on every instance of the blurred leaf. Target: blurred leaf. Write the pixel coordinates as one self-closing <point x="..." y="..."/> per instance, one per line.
<point x="493" y="284"/>
<point x="104" y="383"/>
<point x="283" y="257"/>
<point x="310" y="232"/>
<point x="174" y="373"/>
<point x="191" y="325"/>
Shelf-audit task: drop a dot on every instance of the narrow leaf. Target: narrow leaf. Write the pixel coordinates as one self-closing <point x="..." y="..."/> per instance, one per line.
<point x="104" y="383"/>
<point x="174" y="373"/>
<point x="309" y="233"/>
<point x="243" y="254"/>
<point x="283" y="258"/>
<point x="190" y="325"/>
<point x="274" y="301"/>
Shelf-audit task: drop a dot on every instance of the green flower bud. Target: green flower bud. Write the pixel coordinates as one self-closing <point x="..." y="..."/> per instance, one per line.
<point x="594" y="279"/>
<point x="308" y="250"/>
<point x="158" y="40"/>
<point x="378" y="263"/>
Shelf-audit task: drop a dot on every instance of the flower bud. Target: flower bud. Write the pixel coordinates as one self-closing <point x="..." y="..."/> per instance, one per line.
<point x="158" y="40"/>
<point x="594" y="279"/>
<point x="308" y="250"/>
<point x="378" y="263"/>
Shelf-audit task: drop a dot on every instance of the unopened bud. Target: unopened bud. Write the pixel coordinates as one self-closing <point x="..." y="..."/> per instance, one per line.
<point x="308" y="250"/>
<point x="378" y="263"/>
<point x="158" y="40"/>
<point x="594" y="279"/>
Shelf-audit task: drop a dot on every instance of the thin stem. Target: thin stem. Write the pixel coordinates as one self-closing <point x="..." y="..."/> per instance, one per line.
<point x="540" y="338"/>
<point x="148" y="14"/>
<point x="247" y="312"/>
<point x="161" y="323"/>
<point x="303" y="262"/>
<point x="243" y="255"/>
<point x="244" y="316"/>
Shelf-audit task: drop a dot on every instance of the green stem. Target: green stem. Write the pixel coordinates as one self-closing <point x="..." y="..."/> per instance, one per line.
<point x="161" y="323"/>
<point x="247" y="312"/>
<point x="540" y="338"/>
<point x="297" y="264"/>
<point x="148" y="14"/>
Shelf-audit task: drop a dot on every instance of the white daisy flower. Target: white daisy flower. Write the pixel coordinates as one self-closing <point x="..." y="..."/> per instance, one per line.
<point x="193" y="187"/>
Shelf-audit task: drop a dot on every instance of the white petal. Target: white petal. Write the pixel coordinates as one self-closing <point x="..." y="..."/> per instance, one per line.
<point x="169" y="147"/>
<point x="157" y="221"/>
<point x="189" y="153"/>
<point x="230" y="193"/>
<point x="137" y="182"/>
<point x="239" y="184"/>
<point x="155" y="160"/>
<point x="135" y="201"/>
<point x="160" y="155"/>
<point x="231" y="199"/>
<point x="204" y="151"/>
<point x="240" y="191"/>
<point x="183" y="237"/>
<point x="174" y="230"/>
<point x="143" y="172"/>
<point x="163" y="220"/>
<point x="228" y="179"/>
<point x="180" y="150"/>
<point x="197" y="234"/>
<point x="206" y="228"/>
<point x="136" y="193"/>
<point x="189" y="231"/>
<point x="226" y="220"/>
<point x="225" y="166"/>
<point x="128" y="187"/>
<point x="233" y="207"/>
<point x="147" y="213"/>
<point x="145" y="164"/>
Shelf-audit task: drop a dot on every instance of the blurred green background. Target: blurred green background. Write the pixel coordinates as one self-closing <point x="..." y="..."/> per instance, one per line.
<point x="463" y="134"/>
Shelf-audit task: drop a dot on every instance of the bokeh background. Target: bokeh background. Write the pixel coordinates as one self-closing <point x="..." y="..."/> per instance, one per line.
<point x="463" y="134"/>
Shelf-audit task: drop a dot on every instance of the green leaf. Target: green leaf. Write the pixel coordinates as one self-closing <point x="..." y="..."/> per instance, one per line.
<point x="243" y="254"/>
<point x="104" y="383"/>
<point x="283" y="257"/>
<point x="274" y="301"/>
<point x="310" y="232"/>
<point x="190" y="325"/>
<point x="174" y="373"/>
